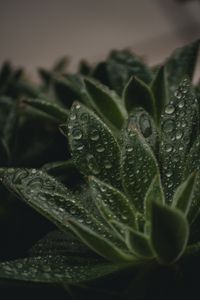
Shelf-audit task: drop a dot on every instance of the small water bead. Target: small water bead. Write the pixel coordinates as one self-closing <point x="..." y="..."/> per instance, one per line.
<point x="77" y="106"/>
<point x="169" y="174"/>
<point x="145" y="126"/>
<point x="108" y="165"/>
<point x="72" y="116"/>
<point x="168" y="148"/>
<point x="178" y="94"/>
<point x="100" y="148"/>
<point x="129" y="148"/>
<point x="84" y="117"/>
<point x="80" y="147"/>
<point x="168" y="126"/>
<point x="179" y="135"/>
<point x="169" y="109"/>
<point x="92" y="165"/>
<point x="181" y="104"/>
<point x="94" y="135"/>
<point x="77" y="134"/>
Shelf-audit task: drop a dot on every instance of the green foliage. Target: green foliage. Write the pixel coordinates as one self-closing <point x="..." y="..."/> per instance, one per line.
<point x="122" y="184"/>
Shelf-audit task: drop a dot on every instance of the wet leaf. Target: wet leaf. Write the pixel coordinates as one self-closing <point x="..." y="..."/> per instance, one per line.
<point x="100" y="244"/>
<point x="138" y="167"/>
<point x="121" y="65"/>
<point x="54" y="269"/>
<point x="106" y="102"/>
<point x="112" y="203"/>
<point x="58" y="243"/>
<point x="138" y="94"/>
<point x="143" y="122"/>
<point x="182" y="62"/>
<point x="178" y="124"/>
<point x="51" y="109"/>
<point x="169" y="233"/>
<point x="46" y="195"/>
<point x="94" y="149"/>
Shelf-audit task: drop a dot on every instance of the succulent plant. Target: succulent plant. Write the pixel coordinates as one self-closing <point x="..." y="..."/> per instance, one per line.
<point x="137" y="206"/>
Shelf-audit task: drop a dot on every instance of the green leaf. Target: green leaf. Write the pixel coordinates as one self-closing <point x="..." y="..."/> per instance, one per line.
<point x="61" y="64"/>
<point x="51" y="109"/>
<point x="54" y="269"/>
<point x="94" y="149"/>
<point x="159" y="89"/>
<point x="143" y="122"/>
<point x="137" y="93"/>
<point x="58" y="243"/>
<point x="112" y="203"/>
<point x="183" y="195"/>
<point x="99" y="244"/>
<point x="154" y="193"/>
<point x="192" y="165"/>
<point x="138" y="243"/>
<point x="70" y="88"/>
<point x="181" y="63"/>
<point x="178" y="124"/>
<point x="138" y="167"/>
<point x="52" y="199"/>
<point x="121" y="65"/>
<point x="106" y="102"/>
<point x="46" y="195"/>
<point x="169" y="233"/>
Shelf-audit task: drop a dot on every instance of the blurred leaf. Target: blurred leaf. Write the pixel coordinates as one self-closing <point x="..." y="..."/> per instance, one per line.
<point x="182" y="62"/>
<point x="138" y="94"/>
<point x="169" y="233"/>
<point x="159" y="89"/>
<point x="54" y="269"/>
<point x="106" y="102"/>
<point x="51" y="109"/>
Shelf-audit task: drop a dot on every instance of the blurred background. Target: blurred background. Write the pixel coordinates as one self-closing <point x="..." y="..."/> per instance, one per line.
<point x="35" y="33"/>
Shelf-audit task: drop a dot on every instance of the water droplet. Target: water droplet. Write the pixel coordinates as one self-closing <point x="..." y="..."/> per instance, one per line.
<point x="168" y="126"/>
<point x="100" y="148"/>
<point x="179" y="135"/>
<point x="177" y="94"/>
<point x="168" y="148"/>
<point x="169" y="174"/>
<point x="94" y="135"/>
<point x="181" y="104"/>
<point x="129" y="149"/>
<point x="72" y="116"/>
<point x="169" y="109"/>
<point x="77" y="134"/>
<point x="145" y="126"/>
<point x="92" y="165"/>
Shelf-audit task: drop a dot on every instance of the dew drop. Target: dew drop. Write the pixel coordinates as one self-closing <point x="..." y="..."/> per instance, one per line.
<point x="72" y="116"/>
<point x="77" y="134"/>
<point x="168" y="148"/>
<point x="179" y="135"/>
<point x="181" y="104"/>
<point x="100" y="148"/>
<point x="92" y="165"/>
<point x="145" y="126"/>
<point x="94" y="135"/>
<point x="168" y="126"/>
<point x="169" y="109"/>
